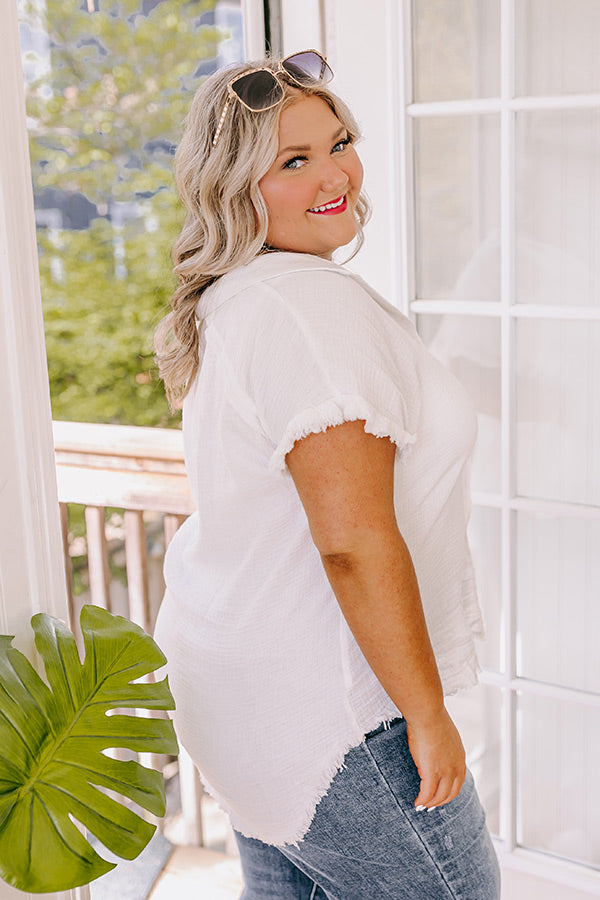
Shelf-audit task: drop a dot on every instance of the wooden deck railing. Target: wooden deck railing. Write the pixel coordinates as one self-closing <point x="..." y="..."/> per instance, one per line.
<point x="139" y="472"/>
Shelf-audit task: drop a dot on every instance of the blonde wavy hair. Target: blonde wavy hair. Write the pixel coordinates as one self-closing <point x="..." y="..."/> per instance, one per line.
<point x="227" y="219"/>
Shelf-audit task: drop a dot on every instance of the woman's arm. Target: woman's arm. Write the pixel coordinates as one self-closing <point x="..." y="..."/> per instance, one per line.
<point x="345" y="479"/>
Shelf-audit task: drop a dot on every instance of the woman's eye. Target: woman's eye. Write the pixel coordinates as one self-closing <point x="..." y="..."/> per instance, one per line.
<point x="295" y="163"/>
<point x="341" y="145"/>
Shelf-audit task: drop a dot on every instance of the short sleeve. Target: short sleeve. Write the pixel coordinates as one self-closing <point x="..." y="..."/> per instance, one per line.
<point x="316" y="349"/>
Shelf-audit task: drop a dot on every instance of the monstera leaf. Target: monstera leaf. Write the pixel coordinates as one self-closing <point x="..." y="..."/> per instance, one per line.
<point x="51" y="742"/>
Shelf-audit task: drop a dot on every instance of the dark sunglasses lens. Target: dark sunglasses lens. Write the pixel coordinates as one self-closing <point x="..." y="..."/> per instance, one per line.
<point x="308" y="68"/>
<point x="258" y="90"/>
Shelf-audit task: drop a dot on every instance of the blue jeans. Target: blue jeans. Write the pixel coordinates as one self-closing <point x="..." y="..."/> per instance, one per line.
<point x="367" y="841"/>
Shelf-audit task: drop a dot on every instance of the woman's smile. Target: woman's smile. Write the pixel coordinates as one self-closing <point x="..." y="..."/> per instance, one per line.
<point x="331" y="209"/>
<point x="313" y="186"/>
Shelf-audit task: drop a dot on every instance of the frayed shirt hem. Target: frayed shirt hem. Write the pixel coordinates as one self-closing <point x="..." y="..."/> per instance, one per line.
<point x="336" y="411"/>
<point x="291" y="834"/>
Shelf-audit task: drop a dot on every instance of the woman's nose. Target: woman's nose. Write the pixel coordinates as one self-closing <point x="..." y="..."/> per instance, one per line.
<point x="333" y="177"/>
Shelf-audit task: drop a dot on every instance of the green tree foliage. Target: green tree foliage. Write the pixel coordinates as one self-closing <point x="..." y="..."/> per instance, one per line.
<point x="99" y="328"/>
<point x="106" y="101"/>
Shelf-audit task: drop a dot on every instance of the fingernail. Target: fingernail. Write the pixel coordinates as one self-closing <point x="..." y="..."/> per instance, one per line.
<point x="429" y="808"/>
<point x="420" y="808"/>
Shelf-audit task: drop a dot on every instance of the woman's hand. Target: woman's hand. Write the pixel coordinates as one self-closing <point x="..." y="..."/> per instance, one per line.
<point x="439" y="756"/>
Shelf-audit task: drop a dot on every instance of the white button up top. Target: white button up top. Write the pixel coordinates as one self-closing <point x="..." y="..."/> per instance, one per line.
<point x="271" y="688"/>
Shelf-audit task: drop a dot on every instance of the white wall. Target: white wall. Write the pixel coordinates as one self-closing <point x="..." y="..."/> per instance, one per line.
<point x="353" y="36"/>
<point x="348" y="37"/>
<point x="254" y="28"/>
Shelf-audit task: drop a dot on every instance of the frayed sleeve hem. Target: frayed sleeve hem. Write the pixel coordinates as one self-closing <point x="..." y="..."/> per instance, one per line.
<point x="336" y="411"/>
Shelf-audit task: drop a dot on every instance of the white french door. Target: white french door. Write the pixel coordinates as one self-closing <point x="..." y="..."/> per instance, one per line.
<point x="502" y="145"/>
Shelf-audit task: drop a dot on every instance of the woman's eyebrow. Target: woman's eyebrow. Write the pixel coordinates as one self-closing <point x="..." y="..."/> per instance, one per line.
<point x="305" y="147"/>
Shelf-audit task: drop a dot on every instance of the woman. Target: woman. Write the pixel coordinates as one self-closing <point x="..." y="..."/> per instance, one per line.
<point x="321" y="601"/>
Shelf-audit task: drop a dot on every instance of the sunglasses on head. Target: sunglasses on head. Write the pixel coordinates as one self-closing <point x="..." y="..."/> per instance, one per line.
<point x="261" y="89"/>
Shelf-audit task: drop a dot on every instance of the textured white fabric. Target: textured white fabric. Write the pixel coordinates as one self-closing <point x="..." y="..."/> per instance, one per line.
<point x="271" y="688"/>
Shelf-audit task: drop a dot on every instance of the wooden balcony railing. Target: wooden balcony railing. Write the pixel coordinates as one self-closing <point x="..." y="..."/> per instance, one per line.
<point x="140" y="474"/>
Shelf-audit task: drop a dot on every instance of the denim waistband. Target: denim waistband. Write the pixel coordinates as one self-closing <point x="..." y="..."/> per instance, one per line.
<point x="385" y="726"/>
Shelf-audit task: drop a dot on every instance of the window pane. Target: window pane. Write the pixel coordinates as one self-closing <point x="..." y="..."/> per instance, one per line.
<point x="559" y="778"/>
<point x="557" y="46"/>
<point x="558" y="207"/>
<point x="470" y="347"/>
<point x="558" y="410"/>
<point x="485" y="542"/>
<point x="456" y="49"/>
<point x="476" y="713"/>
<point x="108" y="85"/>
<point x="457" y="207"/>
<point x="558" y="586"/>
